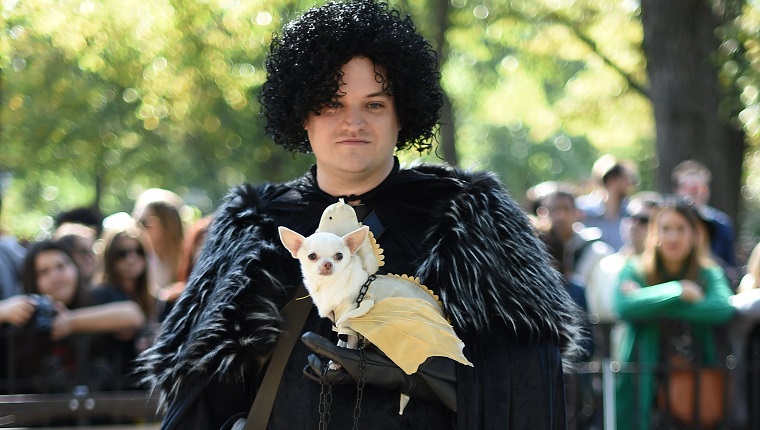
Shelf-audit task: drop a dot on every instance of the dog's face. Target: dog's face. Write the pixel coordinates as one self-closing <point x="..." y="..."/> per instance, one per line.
<point x="323" y="254"/>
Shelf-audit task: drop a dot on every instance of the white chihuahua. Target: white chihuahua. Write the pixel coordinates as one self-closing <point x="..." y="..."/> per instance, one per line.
<point x="331" y="274"/>
<point x="393" y="305"/>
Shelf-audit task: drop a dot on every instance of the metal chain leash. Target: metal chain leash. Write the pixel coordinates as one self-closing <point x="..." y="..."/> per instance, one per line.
<point x="325" y="398"/>
<point x="325" y="394"/>
<point x="362" y="357"/>
<point x="364" y="288"/>
<point x="360" y="386"/>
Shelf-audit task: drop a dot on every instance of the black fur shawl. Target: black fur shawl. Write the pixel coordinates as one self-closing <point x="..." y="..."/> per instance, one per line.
<point x="460" y="232"/>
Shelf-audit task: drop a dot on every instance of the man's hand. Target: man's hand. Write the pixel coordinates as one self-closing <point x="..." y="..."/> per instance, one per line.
<point x="62" y="325"/>
<point x="16" y="310"/>
<point x="435" y="380"/>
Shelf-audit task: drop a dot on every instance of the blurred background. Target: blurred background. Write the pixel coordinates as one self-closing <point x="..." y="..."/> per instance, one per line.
<point x="102" y="99"/>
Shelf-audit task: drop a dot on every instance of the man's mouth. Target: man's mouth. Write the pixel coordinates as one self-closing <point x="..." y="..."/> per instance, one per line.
<point x="353" y="142"/>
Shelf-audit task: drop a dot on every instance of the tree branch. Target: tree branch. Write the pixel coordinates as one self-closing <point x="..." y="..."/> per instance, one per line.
<point x="591" y="44"/>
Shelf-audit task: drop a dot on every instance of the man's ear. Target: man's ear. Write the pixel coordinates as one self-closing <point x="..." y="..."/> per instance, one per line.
<point x="356" y="238"/>
<point x="291" y="239"/>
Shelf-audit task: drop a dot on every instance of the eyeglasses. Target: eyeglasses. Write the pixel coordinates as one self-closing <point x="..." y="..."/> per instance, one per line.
<point x="679" y="202"/>
<point x="124" y="252"/>
<point x="85" y="252"/>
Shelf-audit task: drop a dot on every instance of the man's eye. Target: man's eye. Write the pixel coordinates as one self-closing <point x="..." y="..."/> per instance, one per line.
<point x="375" y="105"/>
<point x="312" y="256"/>
<point x="339" y="256"/>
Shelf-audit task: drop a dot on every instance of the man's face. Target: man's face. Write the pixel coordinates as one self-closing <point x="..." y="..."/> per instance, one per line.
<point x="638" y="226"/>
<point x="694" y="186"/>
<point x="621" y="186"/>
<point x="353" y="138"/>
<point x="562" y="214"/>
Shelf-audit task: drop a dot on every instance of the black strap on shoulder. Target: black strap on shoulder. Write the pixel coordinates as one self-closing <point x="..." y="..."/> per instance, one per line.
<point x="374" y="223"/>
<point x="295" y="314"/>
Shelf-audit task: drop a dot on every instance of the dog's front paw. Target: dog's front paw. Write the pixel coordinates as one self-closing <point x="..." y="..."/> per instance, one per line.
<point x="352" y="342"/>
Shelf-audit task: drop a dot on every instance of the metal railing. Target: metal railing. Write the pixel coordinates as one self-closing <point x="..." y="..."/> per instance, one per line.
<point x="79" y="401"/>
<point x="591" y="388"/>
<point x="34" y="391"/>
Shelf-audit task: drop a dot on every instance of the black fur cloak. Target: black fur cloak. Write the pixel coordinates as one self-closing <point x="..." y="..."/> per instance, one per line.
<point x="459" y="231"/>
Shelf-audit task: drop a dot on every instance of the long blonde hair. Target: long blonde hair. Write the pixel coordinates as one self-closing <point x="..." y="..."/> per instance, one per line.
<point x="171" y="222"/>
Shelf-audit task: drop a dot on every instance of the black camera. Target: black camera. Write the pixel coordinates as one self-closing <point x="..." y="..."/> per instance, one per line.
<point x="44" y="313"/>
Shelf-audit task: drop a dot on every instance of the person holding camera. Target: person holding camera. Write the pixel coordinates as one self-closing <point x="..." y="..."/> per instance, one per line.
<point x="49" y="270"/>
<point x="44" y="358"/>
<point x="16" y="310"/>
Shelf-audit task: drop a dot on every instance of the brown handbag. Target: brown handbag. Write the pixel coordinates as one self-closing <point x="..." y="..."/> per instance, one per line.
<point x="680" y="386"/>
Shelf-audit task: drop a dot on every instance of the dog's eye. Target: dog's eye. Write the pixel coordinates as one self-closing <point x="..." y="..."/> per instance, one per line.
<point x="312" y="256"/>
<point x="339" y="256"/>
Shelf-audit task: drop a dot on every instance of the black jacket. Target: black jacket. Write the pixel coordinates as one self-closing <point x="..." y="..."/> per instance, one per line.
<point x="460" y="232"/>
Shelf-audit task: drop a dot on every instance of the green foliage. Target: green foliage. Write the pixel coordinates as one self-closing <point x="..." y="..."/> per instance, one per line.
<point x="120" y="96"/>
<point x="130" y="95"/>
<point x="739" y="58"/>
<point x="529" y="77"/>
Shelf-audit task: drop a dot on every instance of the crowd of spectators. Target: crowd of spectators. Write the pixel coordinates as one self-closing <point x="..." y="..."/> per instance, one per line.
<point x="78" y="307"/>
<point x="659" y="272"/>
<point x="630" y="260"/>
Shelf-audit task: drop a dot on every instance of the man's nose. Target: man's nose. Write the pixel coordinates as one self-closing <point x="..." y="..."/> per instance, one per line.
<point x="353" y="118"/>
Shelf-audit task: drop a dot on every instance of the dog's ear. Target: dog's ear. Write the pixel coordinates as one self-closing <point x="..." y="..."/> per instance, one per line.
<point x="356" y="238"/>
<point x="291" y="239"/>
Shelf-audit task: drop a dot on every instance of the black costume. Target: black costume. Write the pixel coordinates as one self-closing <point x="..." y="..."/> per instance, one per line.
<point x="460" y="232"/>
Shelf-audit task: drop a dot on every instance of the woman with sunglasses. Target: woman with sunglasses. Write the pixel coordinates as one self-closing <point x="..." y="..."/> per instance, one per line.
<point x="125" y="273"/>
<point x="669" y="298"/>
<point x="124" y="277"/>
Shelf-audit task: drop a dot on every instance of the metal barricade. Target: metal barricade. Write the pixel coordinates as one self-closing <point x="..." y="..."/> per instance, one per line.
<point x="591" y="387"/>
<point x="47" y="398"/>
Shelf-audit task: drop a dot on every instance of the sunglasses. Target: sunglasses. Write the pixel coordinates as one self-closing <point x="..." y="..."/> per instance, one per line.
<point x="640" y="219"/>
<point x="124" y="252"/>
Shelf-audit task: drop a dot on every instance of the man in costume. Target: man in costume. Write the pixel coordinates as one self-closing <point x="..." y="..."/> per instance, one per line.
<point x="353" y="82"/>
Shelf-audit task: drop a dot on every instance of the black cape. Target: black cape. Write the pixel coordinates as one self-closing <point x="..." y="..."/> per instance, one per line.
<point x="459" y="231"/>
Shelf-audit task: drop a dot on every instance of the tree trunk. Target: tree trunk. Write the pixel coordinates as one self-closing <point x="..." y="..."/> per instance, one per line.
<point x="679" y="43"/>
<point x="447" y="143"/>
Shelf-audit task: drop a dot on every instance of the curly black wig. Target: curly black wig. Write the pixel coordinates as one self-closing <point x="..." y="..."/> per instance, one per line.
<point x="304" y="69"/>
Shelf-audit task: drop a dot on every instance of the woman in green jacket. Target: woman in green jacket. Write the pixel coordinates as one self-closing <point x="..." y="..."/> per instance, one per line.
<point x="673" y="283"/>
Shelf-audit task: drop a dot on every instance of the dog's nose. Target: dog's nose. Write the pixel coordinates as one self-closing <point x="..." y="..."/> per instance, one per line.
<point x="326" y="268"/>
